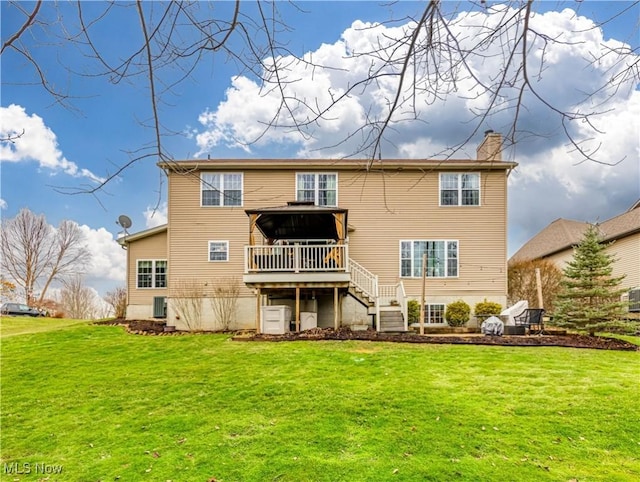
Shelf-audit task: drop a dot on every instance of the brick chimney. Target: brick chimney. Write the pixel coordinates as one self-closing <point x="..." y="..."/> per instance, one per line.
<point x="490" y="149"/>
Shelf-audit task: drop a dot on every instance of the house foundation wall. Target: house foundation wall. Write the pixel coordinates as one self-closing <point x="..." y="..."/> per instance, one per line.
<point x="139" y="312"/>
<point x="352" y="311"/>
<point x="470" y="300"/>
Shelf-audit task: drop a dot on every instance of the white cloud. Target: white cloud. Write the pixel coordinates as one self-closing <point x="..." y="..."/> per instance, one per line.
<point x="107" y="266"/>
<point x="3" y="204"/>
<point x="32" y="140"/>
<point x="241" y="120"/>
<point x="617" y="147"/>
<point x="556" y="183"/>
<point x="108" y="259"/>
<point x="155" y="216"/>
<point x="551" y="181"/>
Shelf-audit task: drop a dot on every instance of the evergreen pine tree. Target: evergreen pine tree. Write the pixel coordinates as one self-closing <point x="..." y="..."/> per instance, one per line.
<point x="589" y="297"/>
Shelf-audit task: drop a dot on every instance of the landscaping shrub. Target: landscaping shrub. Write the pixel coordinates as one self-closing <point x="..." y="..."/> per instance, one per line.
<point x="489" y="308"/>
<point x="413" y="311"/>
<point x="457" y="313"/>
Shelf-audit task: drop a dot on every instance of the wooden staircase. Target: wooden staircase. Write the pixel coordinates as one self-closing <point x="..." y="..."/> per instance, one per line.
<point x="364" y="298"/>
<point x="391" y="320"/>
<point x="386" y="303"/>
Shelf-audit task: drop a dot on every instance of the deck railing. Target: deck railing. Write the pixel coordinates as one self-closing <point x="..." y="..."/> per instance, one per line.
<point x="296" y="258"/>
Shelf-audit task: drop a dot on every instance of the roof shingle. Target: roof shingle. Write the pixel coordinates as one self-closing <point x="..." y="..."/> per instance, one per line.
<point x="562" y="234"/>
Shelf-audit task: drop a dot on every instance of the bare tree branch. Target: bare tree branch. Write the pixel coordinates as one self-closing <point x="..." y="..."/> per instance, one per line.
<point x="24" y="27"/>
<point x="430" y="57"/>
<point x="34" y="252"/>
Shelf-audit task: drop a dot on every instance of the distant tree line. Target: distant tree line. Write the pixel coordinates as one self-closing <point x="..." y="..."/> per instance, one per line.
<point x="36" y="256"/>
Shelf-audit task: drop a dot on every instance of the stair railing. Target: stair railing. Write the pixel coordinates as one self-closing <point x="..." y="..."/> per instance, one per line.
<point x="402" y="299"/>
<point x="367" y="282"/>
<point x="391" y="295"/>
<point x="363" y="279"/>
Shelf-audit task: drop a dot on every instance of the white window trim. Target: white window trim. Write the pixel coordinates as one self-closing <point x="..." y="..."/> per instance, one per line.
<point x="220" y="241"/>
<point x="222" y="174"/>
<point x="446" y="241"/>
<point x="315" y="194"/>
<point x="153" y="274"/>
<point x="460" y="191"/>
<point x="427" y="312"/>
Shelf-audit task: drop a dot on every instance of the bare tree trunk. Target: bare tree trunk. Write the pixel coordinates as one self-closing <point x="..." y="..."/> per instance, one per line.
<point x="78" y="301"/>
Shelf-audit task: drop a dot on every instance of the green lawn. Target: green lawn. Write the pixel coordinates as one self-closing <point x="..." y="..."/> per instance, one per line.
<point x="100" y="404"/>
<point x="21" y="325"/>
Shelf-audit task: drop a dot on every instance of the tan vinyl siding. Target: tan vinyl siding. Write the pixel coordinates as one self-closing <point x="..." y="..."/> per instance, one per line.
<point x="384" y="208"/>
<point x="625" y="251"/>
<point x="153" y="247"/>
<point x="192" y="226"/>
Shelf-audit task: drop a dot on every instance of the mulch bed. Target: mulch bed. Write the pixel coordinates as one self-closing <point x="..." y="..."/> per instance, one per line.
<point x="150" y="327"/>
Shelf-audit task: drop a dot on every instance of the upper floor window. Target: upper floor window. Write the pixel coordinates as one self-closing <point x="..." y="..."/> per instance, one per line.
<point x="218" y="250"/>
<point x="320" y="188"/>
<point x="151" y="273"/>
<point x="442" y="258"/>
<point x="458" y="189"/>
<point x="221" y="189"/>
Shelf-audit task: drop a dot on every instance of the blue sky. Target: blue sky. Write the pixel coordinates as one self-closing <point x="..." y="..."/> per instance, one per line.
<point x="69" y="144"/>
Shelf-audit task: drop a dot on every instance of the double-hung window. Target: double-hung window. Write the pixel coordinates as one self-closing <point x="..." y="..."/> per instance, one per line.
<point x="151" y="273"/>
<point x="458" y="189"/>
<point x="317" y="187"/>
<point x="221" y="189"/>
<point x="441" y="257"/>
<point x="218" y="250"/>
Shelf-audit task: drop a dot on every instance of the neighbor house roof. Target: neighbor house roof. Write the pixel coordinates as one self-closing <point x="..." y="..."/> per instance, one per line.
<point x="563" y="234"/>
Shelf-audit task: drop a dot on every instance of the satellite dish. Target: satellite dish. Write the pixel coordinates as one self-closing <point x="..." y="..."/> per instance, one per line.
<point x="125" y="222"/>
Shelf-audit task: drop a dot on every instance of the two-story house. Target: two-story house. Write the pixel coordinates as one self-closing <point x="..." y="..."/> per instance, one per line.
<point x="332" y="242"/>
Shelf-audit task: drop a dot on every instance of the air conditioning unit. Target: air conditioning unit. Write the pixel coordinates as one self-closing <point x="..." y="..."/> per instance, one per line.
<point x="634" y="300"/>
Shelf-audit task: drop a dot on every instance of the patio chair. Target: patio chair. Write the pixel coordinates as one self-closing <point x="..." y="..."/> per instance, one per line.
<point x="532" y="320"/>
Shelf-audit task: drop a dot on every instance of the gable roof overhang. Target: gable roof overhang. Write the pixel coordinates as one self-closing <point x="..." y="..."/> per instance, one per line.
<point x="337" y="164"/>
<point x="129" y="238"/>
<point x="299" y="221"/>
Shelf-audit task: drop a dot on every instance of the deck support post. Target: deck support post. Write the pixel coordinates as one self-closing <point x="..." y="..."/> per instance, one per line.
<point x="258" y="309"/>
<point x="335" y="308"/>
<point x="297" y="308"/>
<point x="422" y="300"/>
